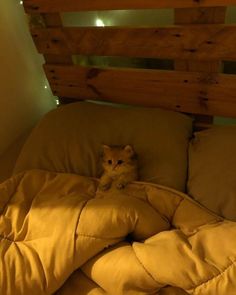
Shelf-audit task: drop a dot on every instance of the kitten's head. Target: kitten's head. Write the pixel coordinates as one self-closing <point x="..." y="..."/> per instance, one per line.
<point x="118" y="160"/>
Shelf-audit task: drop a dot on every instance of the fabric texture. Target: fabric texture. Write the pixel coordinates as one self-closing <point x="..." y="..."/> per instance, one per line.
<point x="139" y="240"/>
<point x="69" y="139"/>
<point x="212" y="170"/>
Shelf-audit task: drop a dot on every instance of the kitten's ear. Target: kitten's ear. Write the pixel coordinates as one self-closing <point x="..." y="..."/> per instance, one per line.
<point x="129" y="149"/>
<point x="106" y="148"/>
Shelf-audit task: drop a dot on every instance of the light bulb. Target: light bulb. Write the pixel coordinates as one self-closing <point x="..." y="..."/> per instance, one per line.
<point x="99" y="23"/>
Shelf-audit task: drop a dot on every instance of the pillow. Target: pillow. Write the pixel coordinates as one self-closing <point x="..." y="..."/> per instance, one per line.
<point x="212" y="170"/>
<point x="69" y="139"/>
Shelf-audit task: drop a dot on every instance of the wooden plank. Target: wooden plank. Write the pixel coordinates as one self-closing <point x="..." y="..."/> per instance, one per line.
<point x="45" y="6"/>
<point x="37" y="21"/>
<point x="195" y="42"/>
<point x="202" y="15"/>
<point x="52" y="20"/>
<point x="197" y="93"/>
<point x="210" y="15"/>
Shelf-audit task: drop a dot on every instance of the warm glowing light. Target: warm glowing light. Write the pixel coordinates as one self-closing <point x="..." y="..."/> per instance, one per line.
<point x="46" y="87"/>
<point x="99" y="23"/>
<point x="21" y="2"/>
<point x="57" y="101"/>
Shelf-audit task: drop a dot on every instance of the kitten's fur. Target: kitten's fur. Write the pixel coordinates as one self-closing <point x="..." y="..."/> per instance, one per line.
<point x="120" y="166"/>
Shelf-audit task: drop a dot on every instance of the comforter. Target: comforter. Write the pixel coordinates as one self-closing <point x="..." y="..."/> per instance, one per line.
<point x="60" y="234"/>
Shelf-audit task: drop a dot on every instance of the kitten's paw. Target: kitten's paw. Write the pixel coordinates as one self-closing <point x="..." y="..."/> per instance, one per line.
<point x="104" y="186"/>
<point x="120" y="185"/>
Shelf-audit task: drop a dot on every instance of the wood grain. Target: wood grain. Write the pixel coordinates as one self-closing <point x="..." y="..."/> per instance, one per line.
<point x="45" y="6"/>
<point x="195" y="42"/>
<point x="197" y="93"/>
<point x="210" y="15"/>
<point x="52" y="20"/>
<point x="202" y="15"/>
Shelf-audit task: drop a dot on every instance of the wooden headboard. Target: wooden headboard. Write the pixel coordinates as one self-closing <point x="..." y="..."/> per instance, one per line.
<point x="198" y="43"/>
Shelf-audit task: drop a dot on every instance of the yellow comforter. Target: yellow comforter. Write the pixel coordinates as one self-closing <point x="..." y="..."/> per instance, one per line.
<point x="136" y="241"/>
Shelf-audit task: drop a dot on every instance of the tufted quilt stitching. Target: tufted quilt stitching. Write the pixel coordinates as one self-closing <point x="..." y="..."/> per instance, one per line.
<point x="232" y="264"/>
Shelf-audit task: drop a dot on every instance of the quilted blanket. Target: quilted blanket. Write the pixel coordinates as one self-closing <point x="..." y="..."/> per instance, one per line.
<point x="60" y="234"/>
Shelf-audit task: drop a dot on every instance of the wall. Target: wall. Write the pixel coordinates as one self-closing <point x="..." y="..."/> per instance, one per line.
<point x="23" y="97"/>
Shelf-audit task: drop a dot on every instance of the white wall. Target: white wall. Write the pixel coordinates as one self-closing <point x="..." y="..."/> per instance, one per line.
<point x="23" y="98"/>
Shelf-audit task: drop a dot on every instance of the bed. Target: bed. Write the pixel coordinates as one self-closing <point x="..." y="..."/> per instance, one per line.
<point x="172" y="231"/>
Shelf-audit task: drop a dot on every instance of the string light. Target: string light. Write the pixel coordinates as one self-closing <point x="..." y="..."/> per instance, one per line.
<point x="21" y="2"/>
<point x="57" y="102"/>
<point x="45" y="86"/>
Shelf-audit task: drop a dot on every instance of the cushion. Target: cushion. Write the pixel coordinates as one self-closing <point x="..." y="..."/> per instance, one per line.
<point x="69" y="139"/>
<point x="212" y="170"/>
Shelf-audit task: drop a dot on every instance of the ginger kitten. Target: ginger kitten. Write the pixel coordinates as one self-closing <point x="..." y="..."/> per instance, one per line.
<point x="120" y="166"/>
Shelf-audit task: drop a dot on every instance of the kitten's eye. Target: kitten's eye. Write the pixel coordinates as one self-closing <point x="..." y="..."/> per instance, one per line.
<point x="109" y="162"/>
<point x="119" y="162"/>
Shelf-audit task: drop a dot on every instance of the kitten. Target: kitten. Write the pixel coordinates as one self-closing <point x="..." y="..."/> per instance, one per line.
<point x="120" y="166"/>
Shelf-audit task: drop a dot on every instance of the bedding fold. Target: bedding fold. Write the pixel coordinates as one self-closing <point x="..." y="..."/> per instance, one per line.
<point x="60" y="234"/>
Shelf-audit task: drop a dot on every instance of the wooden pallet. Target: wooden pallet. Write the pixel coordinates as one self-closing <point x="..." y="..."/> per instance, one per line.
<point x="198" y="42"/>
